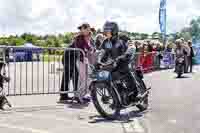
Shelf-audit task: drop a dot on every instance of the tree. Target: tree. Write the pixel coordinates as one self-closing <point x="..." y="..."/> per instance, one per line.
<point x="177" y="36"/>
<point x="157" y="35"/>
<point x="195" y="28"/>
<point x="68" y="38"/>
<point x="19" y="41"/>
<point x="56" y="43"/>
<point x="144" y="36"/>
<point x="186" y="35"/>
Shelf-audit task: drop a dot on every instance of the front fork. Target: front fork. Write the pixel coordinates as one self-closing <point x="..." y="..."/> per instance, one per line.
<point x="114" y="88"/>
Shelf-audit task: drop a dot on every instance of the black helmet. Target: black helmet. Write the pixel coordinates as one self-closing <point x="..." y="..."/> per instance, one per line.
<point x="111" y="27"/>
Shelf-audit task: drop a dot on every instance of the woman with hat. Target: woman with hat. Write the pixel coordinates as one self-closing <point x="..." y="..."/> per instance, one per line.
<point x="71" y="71"/>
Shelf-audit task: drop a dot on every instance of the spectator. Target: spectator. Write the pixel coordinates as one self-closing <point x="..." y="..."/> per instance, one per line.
<point x="137" y="46"/>
<point x="150" y="48"/>
<point x="186" y="54"/>
<point x="191" y="55"/>
<point x="98" y="41"/>
<point x="169" y="48"/>
<point x="70" y="58"/>
<point x="154" y="47"/>
<point x="145" y="47"/>
<point x="159" y="54"/>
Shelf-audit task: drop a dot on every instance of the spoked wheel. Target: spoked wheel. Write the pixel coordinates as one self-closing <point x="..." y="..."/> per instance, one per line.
<point x="145" y="102"/>
<point x="105" y="101"/>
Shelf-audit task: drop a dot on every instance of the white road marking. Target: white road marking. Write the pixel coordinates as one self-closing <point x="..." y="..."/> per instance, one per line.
<point x="172" y="121"/>
<point x="137" y="126"/>
<point x="23" y="128"/>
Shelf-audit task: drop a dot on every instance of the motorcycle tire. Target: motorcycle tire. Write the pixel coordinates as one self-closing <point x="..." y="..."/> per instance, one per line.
<point x="179" y="75"/>
<point x="180" y="70"/>
<point x="98" y="107"/>
<point x="145" y="103"/>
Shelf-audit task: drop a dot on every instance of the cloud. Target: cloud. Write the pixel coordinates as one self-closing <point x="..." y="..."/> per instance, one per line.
<point x="53" y="16"/>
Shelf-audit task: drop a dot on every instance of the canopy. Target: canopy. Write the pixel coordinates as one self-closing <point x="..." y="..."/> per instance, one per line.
<point x="28" y="47"/>
<point x="25" y="52"/>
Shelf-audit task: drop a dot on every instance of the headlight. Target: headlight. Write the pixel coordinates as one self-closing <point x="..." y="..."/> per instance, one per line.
<point x="103" y="75"/>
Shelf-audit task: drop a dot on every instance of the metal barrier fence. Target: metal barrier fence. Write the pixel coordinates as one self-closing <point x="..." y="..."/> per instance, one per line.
<point x="38" y="71"/>
<point x="151" y="61"/>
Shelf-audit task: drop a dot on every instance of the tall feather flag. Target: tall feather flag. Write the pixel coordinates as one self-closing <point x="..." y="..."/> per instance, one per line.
<point x="162" y="19"/>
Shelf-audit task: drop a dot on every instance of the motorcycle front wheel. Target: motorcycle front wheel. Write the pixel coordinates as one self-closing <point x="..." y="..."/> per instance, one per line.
<point x="145" y="102"/>
<point x="105" y="101"/>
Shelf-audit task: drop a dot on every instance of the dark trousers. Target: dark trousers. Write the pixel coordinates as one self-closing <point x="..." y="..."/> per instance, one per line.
<point x="186" y="64"/>
<point x="190" y="64"/>
<point x="70" y="73"/>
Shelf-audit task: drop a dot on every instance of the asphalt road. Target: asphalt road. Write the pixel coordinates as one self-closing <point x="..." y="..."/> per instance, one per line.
<point x="174" y="108"/>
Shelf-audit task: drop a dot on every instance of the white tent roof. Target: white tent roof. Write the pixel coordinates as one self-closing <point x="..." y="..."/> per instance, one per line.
<point x="30" y="45"/>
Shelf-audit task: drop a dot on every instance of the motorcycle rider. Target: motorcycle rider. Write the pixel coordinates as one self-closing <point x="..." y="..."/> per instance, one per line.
<point x="115" y="49"/>
<point x="180" y="50"/>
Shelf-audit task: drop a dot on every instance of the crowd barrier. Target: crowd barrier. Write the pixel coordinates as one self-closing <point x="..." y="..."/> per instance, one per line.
<point x="40" y="71"/>
<point x="151" y="61"/>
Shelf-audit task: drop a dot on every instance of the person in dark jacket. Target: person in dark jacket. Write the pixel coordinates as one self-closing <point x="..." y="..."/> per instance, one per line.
<point x="98" y="41"/>
<point x="112" y="46"/>
<point x="70" y="58"/>
<point x="191" y="55"/>
<point x="115" y="49"/>
<point x="125" y="38"/>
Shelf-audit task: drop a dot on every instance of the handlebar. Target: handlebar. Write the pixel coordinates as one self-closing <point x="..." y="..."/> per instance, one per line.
<point x="108" y="65"/>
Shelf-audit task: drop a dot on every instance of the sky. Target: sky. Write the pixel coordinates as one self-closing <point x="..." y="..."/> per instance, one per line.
<point x="58" y="16"/>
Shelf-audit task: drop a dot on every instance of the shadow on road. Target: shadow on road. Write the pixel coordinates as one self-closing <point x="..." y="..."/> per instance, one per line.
<point x="75" y="105"/>
<point x="123" y="118"/>
<point x="182" y="77"/>
<point x="78" y="106"/>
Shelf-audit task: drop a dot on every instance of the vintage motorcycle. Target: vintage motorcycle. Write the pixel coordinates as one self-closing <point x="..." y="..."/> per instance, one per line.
<point x="110" y="96"/>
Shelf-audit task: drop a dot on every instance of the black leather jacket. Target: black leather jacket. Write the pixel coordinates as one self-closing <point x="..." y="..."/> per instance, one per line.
<point x="114" y="49"/>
